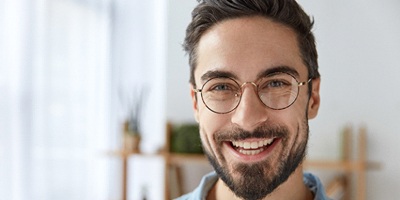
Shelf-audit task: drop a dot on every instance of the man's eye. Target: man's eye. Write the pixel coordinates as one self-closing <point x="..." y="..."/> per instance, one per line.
<point x="221" y="87"/>
<point x="276" y="84"/>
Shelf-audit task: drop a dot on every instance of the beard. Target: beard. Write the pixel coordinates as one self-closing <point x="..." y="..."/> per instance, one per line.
<point x="257" y="180"/>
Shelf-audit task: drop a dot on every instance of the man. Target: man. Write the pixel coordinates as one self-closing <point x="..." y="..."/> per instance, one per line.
<point x="254" y="85"/>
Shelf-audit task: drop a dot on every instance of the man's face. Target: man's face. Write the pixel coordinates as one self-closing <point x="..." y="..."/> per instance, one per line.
<point x="253" y="148"/>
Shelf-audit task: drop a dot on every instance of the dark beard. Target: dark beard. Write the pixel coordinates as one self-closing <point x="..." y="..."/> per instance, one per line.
<point x="259" y="179"/>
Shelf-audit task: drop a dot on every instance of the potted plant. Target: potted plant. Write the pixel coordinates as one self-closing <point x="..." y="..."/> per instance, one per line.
<point x="132" y="124"/>
<point x="131" y="138"/>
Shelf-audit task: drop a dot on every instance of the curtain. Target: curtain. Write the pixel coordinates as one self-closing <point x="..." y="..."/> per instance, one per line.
<point x="56" y="107"/>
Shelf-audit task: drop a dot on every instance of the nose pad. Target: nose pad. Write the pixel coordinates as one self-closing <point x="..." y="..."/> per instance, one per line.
<point x="245" y="83"/>
<point x="251" y="111"/>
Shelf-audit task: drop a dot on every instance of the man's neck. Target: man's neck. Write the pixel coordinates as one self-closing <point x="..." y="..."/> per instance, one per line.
<point x="294" y="188"/>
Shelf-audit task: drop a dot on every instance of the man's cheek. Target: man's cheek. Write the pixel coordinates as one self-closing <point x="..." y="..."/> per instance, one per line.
<point x="206" y="142"/>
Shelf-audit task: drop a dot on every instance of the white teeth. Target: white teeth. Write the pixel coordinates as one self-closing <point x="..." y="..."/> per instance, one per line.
<point x="253" y="145"/>
<point x="251" y="152"/>
<point x="252" y="148"/>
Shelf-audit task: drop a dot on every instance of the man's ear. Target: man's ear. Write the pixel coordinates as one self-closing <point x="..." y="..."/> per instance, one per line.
<point x="193" y="94"/>
<point x="315" y="100"/>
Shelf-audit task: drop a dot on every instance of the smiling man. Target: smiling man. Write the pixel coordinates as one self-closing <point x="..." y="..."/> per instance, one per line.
<point x="254" y="85"/>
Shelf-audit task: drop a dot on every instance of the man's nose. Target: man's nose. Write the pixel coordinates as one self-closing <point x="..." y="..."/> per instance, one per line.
<point x="251" y="112"/>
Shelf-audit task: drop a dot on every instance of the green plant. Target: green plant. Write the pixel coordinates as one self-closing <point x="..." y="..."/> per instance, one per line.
<point x="185" y="138"/>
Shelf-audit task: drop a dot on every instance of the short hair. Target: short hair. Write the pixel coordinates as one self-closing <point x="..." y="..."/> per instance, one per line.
<point x="287" y="12"/>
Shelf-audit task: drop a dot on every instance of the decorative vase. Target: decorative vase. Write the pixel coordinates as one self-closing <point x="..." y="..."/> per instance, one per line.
<point x="132" y="142"/>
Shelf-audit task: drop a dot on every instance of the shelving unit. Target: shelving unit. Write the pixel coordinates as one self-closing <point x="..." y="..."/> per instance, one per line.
<point x="347" y="166"/>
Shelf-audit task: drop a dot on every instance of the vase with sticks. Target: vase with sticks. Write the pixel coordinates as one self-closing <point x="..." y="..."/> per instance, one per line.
<point x="132" y="124"/>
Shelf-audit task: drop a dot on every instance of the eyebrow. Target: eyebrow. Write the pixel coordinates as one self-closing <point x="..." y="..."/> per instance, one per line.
<point x="282" y="68"/>
<point x="218" y="73"/>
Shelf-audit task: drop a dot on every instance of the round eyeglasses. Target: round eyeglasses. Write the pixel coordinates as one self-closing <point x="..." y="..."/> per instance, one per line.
<point x="276" y="91"/>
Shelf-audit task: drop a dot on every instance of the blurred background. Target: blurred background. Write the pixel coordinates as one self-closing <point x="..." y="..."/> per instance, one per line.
<point x="73" y="72"/>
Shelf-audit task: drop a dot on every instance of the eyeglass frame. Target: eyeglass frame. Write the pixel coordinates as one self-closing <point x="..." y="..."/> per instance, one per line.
<point x="299" y="84"/>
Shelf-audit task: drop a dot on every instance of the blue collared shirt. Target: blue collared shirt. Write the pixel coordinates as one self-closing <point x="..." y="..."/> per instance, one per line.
<point x="208" y="181"/>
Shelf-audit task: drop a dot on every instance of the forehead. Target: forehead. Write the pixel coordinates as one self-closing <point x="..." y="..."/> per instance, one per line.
<point x="246" y="47"/>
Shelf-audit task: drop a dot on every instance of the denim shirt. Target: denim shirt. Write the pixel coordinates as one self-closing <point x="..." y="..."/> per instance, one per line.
<point x="208" y="181"/>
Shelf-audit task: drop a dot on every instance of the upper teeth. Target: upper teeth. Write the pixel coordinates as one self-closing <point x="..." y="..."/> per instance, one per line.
<point x="253" y="145"/>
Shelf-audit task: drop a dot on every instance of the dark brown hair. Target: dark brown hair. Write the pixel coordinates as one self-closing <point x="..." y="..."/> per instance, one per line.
<point x="287" y="12"/>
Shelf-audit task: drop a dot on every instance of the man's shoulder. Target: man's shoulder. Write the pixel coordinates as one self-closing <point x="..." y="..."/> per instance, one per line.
<point x="202" y="190"/>
<point x="315" y="185"/>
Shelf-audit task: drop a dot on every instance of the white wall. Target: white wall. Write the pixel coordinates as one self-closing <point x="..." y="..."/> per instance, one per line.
<point x="359" y="48"/>
<point x="358" y="43"/>
<point x="179" y="107"/>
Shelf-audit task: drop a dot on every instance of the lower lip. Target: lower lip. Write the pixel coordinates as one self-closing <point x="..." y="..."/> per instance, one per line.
<point x="253" y="158"/>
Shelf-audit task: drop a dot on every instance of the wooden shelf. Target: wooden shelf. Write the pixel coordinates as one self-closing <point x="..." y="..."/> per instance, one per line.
<point x="179" y="159"/>
<point x="348" y="167"/>
<point x="122" y="153"/>
<point x="341" y="165"/>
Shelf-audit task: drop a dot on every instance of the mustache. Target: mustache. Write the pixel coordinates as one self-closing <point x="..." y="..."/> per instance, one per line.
<point x="262" y="131"/>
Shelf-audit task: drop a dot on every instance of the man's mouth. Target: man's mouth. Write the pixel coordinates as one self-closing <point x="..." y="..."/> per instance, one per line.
<point x="252" y="147"/>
